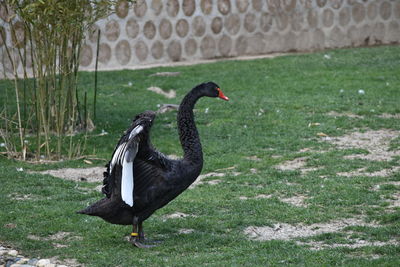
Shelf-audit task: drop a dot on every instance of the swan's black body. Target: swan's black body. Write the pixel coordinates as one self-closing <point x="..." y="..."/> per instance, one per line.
<point x="157" y="178"/>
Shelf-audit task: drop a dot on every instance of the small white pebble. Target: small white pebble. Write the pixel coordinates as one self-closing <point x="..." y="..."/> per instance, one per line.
<point x="130" y="83"/>
<point x="341" y="91"/>
<point x="20" y="169"/>
<point x="245" y="126"/>
<point x="387" y="84"/>
<point x="206" y="111"/>
<point x="361" y="92"/>
<point x="326" y="56"/>
<point x="13" y="253"/>
<point x="2" y="144"/>
<point x="26" y="141"/>
<point x="43" y="263"/>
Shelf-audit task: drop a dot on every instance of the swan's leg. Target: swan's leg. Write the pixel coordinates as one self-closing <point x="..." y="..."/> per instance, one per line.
<point x="137" y="235"/>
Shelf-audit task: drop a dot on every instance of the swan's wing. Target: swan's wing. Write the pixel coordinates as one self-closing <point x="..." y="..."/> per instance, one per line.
<point x="119" y="179"/>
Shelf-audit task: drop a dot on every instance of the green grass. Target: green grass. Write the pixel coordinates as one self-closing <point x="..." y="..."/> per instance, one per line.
<point x="273" y="101"/>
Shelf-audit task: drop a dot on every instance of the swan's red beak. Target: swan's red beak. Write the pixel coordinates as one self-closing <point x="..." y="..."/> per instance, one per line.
<point x="222" y="96"/>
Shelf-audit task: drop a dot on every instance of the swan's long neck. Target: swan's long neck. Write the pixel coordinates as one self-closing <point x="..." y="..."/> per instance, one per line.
<point x="188" y="134"/>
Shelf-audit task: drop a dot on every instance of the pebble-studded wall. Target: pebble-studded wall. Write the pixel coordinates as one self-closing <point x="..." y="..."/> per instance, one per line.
<point x="161" y="31"/>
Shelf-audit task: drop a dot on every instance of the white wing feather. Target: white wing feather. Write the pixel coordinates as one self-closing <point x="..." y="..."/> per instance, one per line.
<point x="127" y="182"/>
<point x="120" y="157"/>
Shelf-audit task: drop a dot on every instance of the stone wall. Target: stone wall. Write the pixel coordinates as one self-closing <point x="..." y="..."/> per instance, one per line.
<point x="162" y="31"/>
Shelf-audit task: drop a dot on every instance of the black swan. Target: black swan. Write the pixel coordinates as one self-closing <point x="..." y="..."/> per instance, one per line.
<point x="139" y="179"/>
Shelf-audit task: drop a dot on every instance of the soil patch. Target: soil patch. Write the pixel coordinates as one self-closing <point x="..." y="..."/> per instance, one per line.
<point x="170" y="94"/>
<point x="346" y="114"/>
<point x="91" y="175"/>
<point x="353" y="243"/>
<point x="284" y="231"/>
<point x="362" y="172"/>
<point x="376" y="142"/>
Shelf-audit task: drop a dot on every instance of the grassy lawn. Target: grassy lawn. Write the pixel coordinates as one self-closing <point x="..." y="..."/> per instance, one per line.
<point x="298" y="148"/>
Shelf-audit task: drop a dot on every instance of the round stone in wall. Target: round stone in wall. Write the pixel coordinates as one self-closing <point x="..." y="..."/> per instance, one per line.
<point x="336" y="38"/>
<point x="6" y="14"/>
<point x="93" y="33"/>
<point x="297" y="21"/>
<point x="250" y="22"/>
<point x="198" y="26"/>
<point x="312" y="18"/>
<point x="141" y="51"/>
<point x="290" y="41"/>
<point x="104" y="53"/>
<point x="385" y="10"/>
<point x="140" y="8"/>
<point x="265" y="22"/>
<point x="255" y="44"/>
<point x="372" y="11"/>
<point x="174" y="50"/>
<point x="112" y="30"/>
<point x="157" y="49"/>
<point x="123" y="52"/>
<point x="206" y="6"/>
<point x="327" y="17"/>
<point x="132" y="28"/>
<point x="232" y="23"/>
<point x="290" y="5"/>
<point x="207" y="47"/>
<point x="318" y="39"/>
<point x="242" y="5"/>
<point x="344" y="16"/>
<point x="274" y="6"/>
<point x="353" y="34"/>
<point x="397" y="10"/>
<point x="18" y="38"/>
<point x="3" y="33"/>
<point x="182" y="28"/>
<point x="165" y="29"/>
<point x="86" y="55"/>
<point x="321" y="3"/>
<point x="190" y="47"/>
<point x="216" y="25"/>
<point x="358" y="12"/>
<point x="257" y="4"/>
<point x="7" y="64"/>
<point x="122" y="8"/>
<point x="282" y="21"/>
<point x="224" y="6"/>
<point x="378" y="32"/>
<point x="225" y="45"/>
<point x="156" y="6"/>
<point x="393" y="32"/>
<point x="304" y="41"/>
<point x="149" y="29"/>
<point x="336" y="4"/>
<point x="172" y="8"/>
<point x="241" y="45"/>
<point x="188" y="6"/>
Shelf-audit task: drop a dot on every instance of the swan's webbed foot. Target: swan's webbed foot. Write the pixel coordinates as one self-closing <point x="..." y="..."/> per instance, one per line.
<point x="137" y="238"/>
<point x="140" y="242"/>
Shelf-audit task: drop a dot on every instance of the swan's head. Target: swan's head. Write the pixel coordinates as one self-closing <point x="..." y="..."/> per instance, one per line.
<point x="212" y="90"/>
<point x="145" y="119"/>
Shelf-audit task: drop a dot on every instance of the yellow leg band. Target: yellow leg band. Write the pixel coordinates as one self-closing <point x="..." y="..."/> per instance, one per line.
<point x="134" y="234"/>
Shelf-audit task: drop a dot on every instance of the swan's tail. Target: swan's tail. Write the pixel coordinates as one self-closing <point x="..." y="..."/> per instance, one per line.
<point x="98" y="208"/>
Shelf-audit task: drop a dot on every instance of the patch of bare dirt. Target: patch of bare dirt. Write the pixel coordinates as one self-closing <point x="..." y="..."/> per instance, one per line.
<point x="389" y="116"/>
<point x="292" y="165"/>
<point x="353" y="243"/>
<point x="298" y="201"/>
<point x="284" y="231"/>
<point x="91" y="175"/>
<point x="253" y="158"/>
<point x="177" y="215"/>
<point x="295" y="164"/>
<point x="376" y="142"/>
<point x="59" y="236"/>
<point x="261" y="196"/>
<point x="165" y="74"/>
<point x="216" y="173"/>
<point x="345" y="114"/>
<point x="362" y="172"/>
<point x="170" y="94"/>
<point x="15" y="196"/>
<point x="185" y="231"/>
